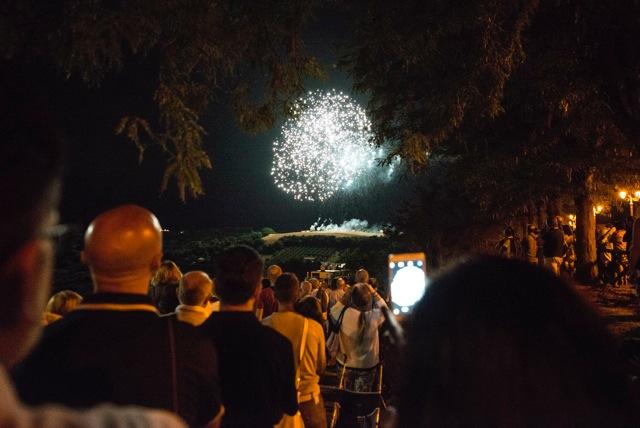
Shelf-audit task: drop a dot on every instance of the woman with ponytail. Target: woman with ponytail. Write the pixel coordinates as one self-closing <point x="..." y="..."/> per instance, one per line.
<point x="359" y="316"/>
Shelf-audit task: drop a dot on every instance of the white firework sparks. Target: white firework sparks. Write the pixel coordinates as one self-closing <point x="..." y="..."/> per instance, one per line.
<point x="323" y="148"/>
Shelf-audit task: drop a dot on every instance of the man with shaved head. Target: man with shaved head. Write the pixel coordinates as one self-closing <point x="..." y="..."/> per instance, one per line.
<point x="30" y="183"/>
<point x="114" y="347"/>
<point x="194" y="293"/>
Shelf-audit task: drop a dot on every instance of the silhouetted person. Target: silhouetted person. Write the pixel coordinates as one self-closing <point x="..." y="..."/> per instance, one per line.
<point x="114" y="347"/>
<point x="257" y="374"/>
<point x="164" y="287"/>
<point x="61" y="304"/>
<point x="553" y="246"/>
<point x="502" y="343"/>
<point x="30" y="182"/>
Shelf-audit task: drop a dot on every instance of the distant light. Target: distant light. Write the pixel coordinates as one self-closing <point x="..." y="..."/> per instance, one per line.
<point x="166" y="230"/>
<point x="410" y="263"/>
<point x="400" y="264"/>
<point x="392" y="265"/>
<point x="637" y="194"/>
<point x="405" y="309"/>
<point x="622" y="194"/>
<point x="396" y="311"/>
<point x="419" y="263"/>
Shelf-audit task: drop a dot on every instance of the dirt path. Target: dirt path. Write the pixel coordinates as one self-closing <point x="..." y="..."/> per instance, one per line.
<point x="619" y="306"/>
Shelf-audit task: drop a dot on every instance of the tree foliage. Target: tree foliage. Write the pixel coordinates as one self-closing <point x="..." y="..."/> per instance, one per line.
<point x="252" y="51"/>
<point x="546" y="92"/>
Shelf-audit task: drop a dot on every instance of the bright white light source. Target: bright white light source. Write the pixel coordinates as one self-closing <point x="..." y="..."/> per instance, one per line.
<point x="408" y="286"/>
<point x="396" y="311"/>
<point x="405" y="309"/>
<point x="392" y="265"/>
<point x="323" y="148"/>
<point x="400" y="264"/>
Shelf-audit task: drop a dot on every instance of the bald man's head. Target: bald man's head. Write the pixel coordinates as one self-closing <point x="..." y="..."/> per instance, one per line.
<point x="195" y="288"/>
<point x="122" y="244"/>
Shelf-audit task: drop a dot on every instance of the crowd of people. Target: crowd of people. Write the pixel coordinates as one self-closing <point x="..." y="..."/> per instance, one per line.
<point x="554" y="247"/>
<point x="493" y="342"/>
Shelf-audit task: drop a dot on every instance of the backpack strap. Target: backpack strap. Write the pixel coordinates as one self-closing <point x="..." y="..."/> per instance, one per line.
<point x="174" y="371"/>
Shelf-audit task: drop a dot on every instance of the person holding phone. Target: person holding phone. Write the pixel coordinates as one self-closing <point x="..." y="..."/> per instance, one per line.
<point x="362" y="316"/>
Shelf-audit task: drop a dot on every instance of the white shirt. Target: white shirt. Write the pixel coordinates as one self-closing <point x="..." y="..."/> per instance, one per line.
<point x="356" y="353"/>
<point x="194" y="315"/>
<point x="15" y="414"/>
<point x="291" y="325"/>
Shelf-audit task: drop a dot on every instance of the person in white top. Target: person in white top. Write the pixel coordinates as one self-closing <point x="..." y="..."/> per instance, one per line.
<point x="30" y="182"/>
<point x="194" y="294"/>
<point x="312" y="362"/>
<point x="359" y="339"/>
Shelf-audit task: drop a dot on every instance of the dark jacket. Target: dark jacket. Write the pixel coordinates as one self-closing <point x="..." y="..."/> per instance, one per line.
<point x="115" y="348"/>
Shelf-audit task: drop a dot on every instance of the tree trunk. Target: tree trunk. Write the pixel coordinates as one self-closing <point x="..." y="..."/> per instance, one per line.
<point x="586" y="270"/>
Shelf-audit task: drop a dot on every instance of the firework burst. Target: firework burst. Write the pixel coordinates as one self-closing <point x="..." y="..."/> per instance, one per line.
<point x="323" y="147"/>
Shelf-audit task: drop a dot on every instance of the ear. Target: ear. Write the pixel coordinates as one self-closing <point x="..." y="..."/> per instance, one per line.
<point x="24" y="267"/>
<point x="156" y="262"/>
<point x="258" y="290"/>
<point x="24" y="263"/>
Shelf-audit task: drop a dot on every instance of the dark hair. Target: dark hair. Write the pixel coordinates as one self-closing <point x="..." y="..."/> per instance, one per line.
<point x="31" y="161"/>
<point x="31" y="164"/>
<point x="498" y="342"/>
<point x="238" y="273"/>
<point x="309" y="307"/>
<point x="287" y="288"/>
<point x="266" y="283"/>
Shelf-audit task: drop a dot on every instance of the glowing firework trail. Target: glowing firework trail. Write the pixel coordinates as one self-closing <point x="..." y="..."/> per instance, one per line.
<point x="324" y="147"/>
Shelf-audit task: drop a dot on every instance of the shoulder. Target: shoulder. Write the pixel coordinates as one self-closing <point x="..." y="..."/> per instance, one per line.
<point x="268" y="321"/>
<point x="271" y="337"/>
<point x="315" y="327"/>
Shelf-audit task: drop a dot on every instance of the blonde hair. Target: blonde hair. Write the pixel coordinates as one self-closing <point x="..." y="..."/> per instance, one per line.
<point x="168" y="272"/>
<point x="63" y="302"/>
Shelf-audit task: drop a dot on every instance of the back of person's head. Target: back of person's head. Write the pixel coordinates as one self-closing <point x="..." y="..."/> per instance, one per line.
<point x="31" y="160"/>
<point x="373" y="282"/>
<point x="315" y="283"/>
<point x="123" y="247"/>
<point x="305" y="288"/>
<point x="361" y="297"/>
<point x="508" y="231"/>
<point x="552" y="222"/>
<point x="362" y="276"/>
<point x="287" y="288"/>
<point x="266" y="283"/>
<point x="63" y="302"/>
<point x="309" y="307"/>
<point x="167" y="273"/>
<point x="238" y="276"/>
<point x="498" y="342"/>
<point x="273" y="272"/>
<point x="195" y="288"/>
<point x="532" y="228"/>
<point x="336" y="283"/>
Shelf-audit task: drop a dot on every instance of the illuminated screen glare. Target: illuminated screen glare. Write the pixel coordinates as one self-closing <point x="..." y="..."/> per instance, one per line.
<point x="408" y="284"/>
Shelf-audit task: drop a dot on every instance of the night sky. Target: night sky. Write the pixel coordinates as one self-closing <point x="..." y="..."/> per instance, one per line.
<point x="104" y="171"/>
